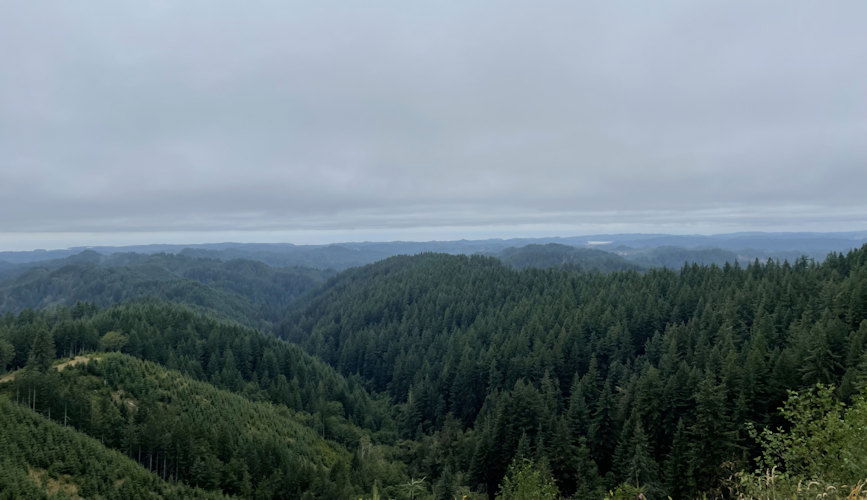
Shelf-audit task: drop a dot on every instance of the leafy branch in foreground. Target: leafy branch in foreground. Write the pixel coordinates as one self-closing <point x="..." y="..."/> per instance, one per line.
<point x="821" y="454"/>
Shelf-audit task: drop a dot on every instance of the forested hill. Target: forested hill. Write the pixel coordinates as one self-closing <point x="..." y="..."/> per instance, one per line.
<point x="247" y="291"/>
<point x="437" y="376"/>
<point x="38" y="456"/>
<point x="564" y="256"/>
<point x="676" y="257"/>
<point x="344" y="255"/>
<point x="190" y="431"/>
<point x="225" y="354"/>
<point x="216" y="405"/>
<point x="646" y="378"/>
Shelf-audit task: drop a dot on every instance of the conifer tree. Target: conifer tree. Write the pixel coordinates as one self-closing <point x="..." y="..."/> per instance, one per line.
<point x="41" y="351"/>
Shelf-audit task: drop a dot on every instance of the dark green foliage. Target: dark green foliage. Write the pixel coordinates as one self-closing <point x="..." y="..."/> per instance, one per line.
<point x="634" y="459"/>
<point x="246" y="291"/>
<point x="652" y="376"/>
<point x="191" y="432"/>
<point x="42" y="459"/>
<point x="458" y="367"/>
<point x="7" y="354"/>
<point x="227" y="355"/>
<point x="41" y="350"/>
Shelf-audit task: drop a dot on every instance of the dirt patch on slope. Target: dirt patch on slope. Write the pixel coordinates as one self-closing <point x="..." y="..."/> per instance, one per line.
<point x="78" y="360"/>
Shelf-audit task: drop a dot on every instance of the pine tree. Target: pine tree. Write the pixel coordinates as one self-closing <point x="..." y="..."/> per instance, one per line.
<point x="41" y="351"/>
<point x="635" y="462"/>
<point x="7" y="354"/>
<point x="677" y="463"/>
<point x="712" y="435"/>
<point x="602" y="429"/>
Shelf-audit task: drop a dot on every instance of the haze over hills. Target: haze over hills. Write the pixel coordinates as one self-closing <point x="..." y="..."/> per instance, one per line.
<point x="746" y="246"/>
<point x="246" y="291"/>
<point x="240" y="281"/>
<point x="564" y="256"/>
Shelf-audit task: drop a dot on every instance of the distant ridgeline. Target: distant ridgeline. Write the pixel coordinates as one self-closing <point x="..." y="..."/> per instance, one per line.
<point x="646" y="250"/>
<point x="256" y="294"/>
<point x="543" y="371"/>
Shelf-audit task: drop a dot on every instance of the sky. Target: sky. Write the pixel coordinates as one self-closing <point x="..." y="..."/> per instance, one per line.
<point x="126" y="122"/>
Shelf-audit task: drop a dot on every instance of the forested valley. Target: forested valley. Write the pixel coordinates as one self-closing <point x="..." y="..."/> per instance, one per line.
<point x="545" y="373"/>
<point x="246" y="291"/>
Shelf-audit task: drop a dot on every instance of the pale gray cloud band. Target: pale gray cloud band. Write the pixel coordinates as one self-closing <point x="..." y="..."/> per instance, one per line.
<point x="215" y="116"/>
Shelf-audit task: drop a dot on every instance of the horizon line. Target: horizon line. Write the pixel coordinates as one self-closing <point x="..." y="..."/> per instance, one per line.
<point x="853" y="234"/>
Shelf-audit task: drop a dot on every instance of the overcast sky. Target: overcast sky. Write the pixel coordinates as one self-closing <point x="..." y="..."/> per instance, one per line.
<point x="192" y="121"/>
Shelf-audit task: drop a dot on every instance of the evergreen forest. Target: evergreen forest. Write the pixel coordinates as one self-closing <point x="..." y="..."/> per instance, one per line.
<point x="539" y="372"/>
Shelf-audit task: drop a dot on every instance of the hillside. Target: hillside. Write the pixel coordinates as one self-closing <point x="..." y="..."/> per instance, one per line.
<point x="434" y="375"/>
<point x="247" y="291"/>
<point x="225" y="354"/>
<point x="676" y="257"/>
<point x="594" y="372"/>
<point x="42" y="459"/>
<point x="270" y="392"/>
<point x="563" y="256"/>
<point x="195" y="433"/>
<point x="344" y="255"/>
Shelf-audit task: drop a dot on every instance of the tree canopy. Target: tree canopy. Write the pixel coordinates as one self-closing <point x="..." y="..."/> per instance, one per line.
<point x="435" y="376"/>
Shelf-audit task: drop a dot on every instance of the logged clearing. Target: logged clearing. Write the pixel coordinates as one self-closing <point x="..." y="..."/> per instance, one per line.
<point x="61" y="485"/>
<point x="75" y="361"/>
<point x="78" y="360"/>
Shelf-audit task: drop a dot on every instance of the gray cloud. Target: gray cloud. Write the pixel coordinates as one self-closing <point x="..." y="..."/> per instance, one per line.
<point x="120" y="117"/>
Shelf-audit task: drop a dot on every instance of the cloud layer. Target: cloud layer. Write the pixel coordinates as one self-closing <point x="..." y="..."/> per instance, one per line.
<point x="344" y="116"/>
